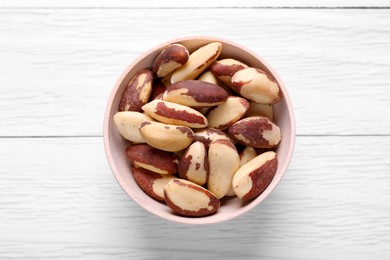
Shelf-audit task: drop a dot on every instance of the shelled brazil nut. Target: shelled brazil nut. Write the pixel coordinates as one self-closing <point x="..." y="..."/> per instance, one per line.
<point x="200" y="128"/>
<point x="151" y="182"/>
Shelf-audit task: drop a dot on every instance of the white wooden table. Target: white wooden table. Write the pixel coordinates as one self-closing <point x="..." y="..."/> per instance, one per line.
<point x="58" y="63"/>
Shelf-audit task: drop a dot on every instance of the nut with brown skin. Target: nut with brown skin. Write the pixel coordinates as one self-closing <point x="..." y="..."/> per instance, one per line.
<point x="246" y="155"/>
<point x="152" y="159"/>
<point x="171" y="138"/>
<point x="198" y="61"/>
<point x="194" y="164"/>
<point x="224" y="161"/>
<point x="256" y="131"/>
<point x="195" y="93"/>
<point x="225" y="69"/>
<point x="227" y="113"/>
<point x="255" y="176"/>
<point x="127" y="124"/>
<point x="137" y="92"/>
<point x="209" y="135"/>
<point x="175" y="114"/>
<point x="256" y="85"/>
<point x="189" y="199"/>
<point x="150" y="182"/>
<point x="171" y="58"/>
<point x="180" y="153"/>
<point x="157" y="90"/>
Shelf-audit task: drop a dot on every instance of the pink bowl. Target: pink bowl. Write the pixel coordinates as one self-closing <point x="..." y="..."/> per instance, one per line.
<point x="115" y="144"/>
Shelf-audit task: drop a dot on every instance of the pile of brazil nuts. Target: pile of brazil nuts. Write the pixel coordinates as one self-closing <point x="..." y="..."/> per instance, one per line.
<point x="200" y="129"/>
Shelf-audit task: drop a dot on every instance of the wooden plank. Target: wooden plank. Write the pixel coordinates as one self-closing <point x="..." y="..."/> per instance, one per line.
<point x="58" y="66"/>
<point x="332" y="202"/>
<point x="194" y="4"/>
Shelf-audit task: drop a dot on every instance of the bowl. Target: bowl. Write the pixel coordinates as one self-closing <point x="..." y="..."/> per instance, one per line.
<point x="230" y="207"/>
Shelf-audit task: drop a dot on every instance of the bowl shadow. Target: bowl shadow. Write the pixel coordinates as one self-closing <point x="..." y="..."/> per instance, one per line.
<point x="238" y="238"/>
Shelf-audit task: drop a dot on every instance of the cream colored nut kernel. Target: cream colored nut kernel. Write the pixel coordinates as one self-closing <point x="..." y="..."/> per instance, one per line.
<point x="256" y="85"/>
<point x="225" y="69"/>
<point x="167" y="68"/>
<point x="171" y="58"/>
<point x="224" y="161"/>
<point x="227" y="113"/>
<point x="151" y="183"/>
<point x="230" y="193"/>
<point x="175" y="114"/>
<point x="247" y="155"/>
<point x="195" y="93"/>
<point x="204" y="110"/>
<point x="167" y="80"/>
<point x="171" y="138"/>
<point x="255" y="176"/>
<point x="257" y="109"/>
<point x="256" y="131"/>
<point x="127" y="123"/>
<point x="209" y="77"/>
<point x="194" y="164"/>
<point x="198" y="61"/>
<point x="189" y="199"/>
<point x="137" y="92"/>
<point x="209" y="135"/>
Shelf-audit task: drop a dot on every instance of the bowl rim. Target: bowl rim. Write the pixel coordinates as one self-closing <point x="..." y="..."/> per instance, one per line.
<point x="203" y="220"/>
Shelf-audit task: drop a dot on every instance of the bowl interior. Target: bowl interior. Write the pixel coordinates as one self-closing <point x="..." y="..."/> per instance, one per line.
<point x="115" y="144"/>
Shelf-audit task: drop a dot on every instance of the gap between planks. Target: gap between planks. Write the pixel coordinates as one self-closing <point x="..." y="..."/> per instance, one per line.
<point x="189" y="7"/>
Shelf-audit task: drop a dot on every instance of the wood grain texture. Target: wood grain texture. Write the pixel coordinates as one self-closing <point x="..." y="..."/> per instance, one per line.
<point x="58" y="199"/>
<point x="58" y="66"/>
<point x="59" y="61"/>
<point x="189" y="4"/>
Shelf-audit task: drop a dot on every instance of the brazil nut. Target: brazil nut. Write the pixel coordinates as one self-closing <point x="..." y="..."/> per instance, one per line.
<point x="153" y="159"/>
<point x="194" y="164"/>
<point x="127" y="124"/>
<point x="175" y="114"/>
<point x="171" y="138"/>
<point x="209" y="77"/>
<point x="223" y="163"/>
<point x="157" y="90"/>
<point x="227" y="113"/>
<point x="150" y="182"/>
<point x="256" y="85"/>
<point x="225" y="69"/>
<point x="257" y="109"/>
<point x="137" y="91"/>
<point x="189" y="199"/>
<point x="195" y="93"/>
<point x="197" y="62"/>
<point x="209" y="135"/>
<point x="247" y="155"/>
<point x="171" y="58"/>
<point x="256" y="131"/>
<point x="254" y="177"/>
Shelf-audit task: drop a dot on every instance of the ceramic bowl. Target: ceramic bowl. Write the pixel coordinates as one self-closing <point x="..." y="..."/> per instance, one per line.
<point x="230" y="207"/>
